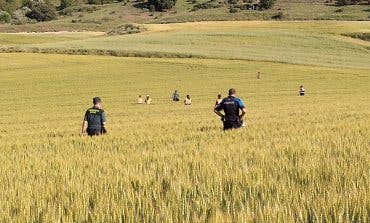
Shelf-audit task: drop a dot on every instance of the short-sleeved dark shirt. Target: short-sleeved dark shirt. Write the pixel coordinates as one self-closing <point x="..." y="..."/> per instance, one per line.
<point x="95" y="118"/>
<point x="231" y="106"/>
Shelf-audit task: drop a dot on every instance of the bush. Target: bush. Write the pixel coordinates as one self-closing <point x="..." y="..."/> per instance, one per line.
<point x="349" y="2"/>
<point x="207" y="5"/>
<point x="65" y="4"/>
<point x="266" y="4"/>
<point x="233" y="10"/>
<point x="278" y="16"/>
<point x="4" y="17"/>
<point x="10" y="5"/>
<point x="102" y="2"/>
<point x="161" y="5"/>
<point x="19" y="16"/>
<point x="41" y="11"/>
<point x="76" y="9"/>
<point x="126" y="29"/>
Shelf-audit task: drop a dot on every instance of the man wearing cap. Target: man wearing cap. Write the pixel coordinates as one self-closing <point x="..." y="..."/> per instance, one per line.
<point x="231" y="105"/>
<point x="94" y="120"/>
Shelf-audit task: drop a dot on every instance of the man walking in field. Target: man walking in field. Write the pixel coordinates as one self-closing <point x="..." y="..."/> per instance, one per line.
<point x="231" y="105"/>
<point x="94" y="120"/>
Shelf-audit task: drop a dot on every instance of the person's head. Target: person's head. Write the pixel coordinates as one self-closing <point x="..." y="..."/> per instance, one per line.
<point x="139" y="96"/>
<point x="232" y="92"/>
<point x="188" y="96"/>
<point x="219" y="96"/>
<point x="97" y="102"/>
<point x="175" y="91"/>
<point x="301" y="86"/>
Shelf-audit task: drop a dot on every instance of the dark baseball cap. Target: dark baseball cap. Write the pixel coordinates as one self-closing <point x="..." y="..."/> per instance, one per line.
<point x="96" y="100"/>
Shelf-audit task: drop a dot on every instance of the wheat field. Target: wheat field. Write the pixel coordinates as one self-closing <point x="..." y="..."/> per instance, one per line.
<point x="299" y="159"/>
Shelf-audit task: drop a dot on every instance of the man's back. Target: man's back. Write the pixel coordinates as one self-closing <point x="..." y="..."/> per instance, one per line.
<point x="231" y="106"/>
<point x="95" y="118"/>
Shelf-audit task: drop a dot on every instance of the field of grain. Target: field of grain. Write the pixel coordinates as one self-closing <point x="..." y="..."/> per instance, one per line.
<point x="300" y="159"/>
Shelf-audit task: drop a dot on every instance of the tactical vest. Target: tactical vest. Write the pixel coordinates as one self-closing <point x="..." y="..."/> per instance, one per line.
<point x="231" y="109"/>
<point x="94" y="118"/>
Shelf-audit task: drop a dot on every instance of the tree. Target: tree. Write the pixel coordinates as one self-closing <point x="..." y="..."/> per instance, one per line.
<point x="161" y="5"/>
<point x="349" y="2"/>
<point x="10" y="5"/>
<point x="40" y="10"/>
<point x="4" y="17"/>
<point x="266" y="4"/>
<point x="65" y="4"/>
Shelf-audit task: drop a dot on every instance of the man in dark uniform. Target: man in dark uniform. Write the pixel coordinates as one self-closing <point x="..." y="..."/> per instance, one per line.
<point x="94" y="120"/>
<point x="231" y="105"/>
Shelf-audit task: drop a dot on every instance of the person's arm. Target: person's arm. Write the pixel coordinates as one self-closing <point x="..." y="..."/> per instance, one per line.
<point x="84" y="128"/>
<point x="219" y="113"/>
<point x="241" y="107"/>
<point x="243" y="112"/>
<point x="218" y="109"/>
<point x="85" y="124"/>
<point x="104" y="122"/>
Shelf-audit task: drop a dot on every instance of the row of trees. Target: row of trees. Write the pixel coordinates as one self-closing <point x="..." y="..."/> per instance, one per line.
<point x="352" y="2"/>
<point x="161" y="5"/>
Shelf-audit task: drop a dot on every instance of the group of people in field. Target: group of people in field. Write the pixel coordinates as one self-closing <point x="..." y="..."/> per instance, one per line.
<point x="230" y="109"/>
<point x="176" y="97"/>
<point x="94" y="122"/>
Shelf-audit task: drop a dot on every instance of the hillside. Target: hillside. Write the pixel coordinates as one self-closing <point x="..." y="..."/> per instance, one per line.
<point x="108" y="16"/>
<point x="320" y="43"/>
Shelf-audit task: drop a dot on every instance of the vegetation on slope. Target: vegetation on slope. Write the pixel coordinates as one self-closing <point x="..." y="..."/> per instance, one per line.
<point x="104" y="17"/>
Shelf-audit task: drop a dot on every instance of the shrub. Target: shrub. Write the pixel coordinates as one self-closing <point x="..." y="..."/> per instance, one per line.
<point x="4" y="17"/>
<point x="233" y="10"/>
<point x="65" y="4"/>
<point x="102" y="2"/>
<point x="266" y="4"/>
<point x="76" y="9"/>
<point x="349" y="2"/>
<point x="19" y="16"/>
<point x="126" y="29"/>
<point x="161" y="5"/>
<point x="278" y="16"/>
<point x="40" y="10"/>
<point x="207" y="5"/>
<point x="10" y="5"/>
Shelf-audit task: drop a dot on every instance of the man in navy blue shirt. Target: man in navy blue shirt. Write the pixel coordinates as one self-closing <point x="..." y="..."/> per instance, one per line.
<point x="94" y="120"/>
<point x="231" y="106"/>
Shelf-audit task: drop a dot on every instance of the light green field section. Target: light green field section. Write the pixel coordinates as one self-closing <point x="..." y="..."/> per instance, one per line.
<point x="309" y="43"/>
<point x="299" y="158"/>
<point x="40" y="38"/>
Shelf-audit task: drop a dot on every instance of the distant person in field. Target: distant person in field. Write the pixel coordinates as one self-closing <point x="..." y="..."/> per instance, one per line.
<point x="148" y="100"/>
<point x="187" y="100"/>
<point x="175" y="96"/>
<point x="94" y="121"/>
<point x="140" y="100"/>
<point x="232" y="105"/>
<point x="218" y="100"/>
<point x="302" y="91"/>
<point x="259" y="75"/>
